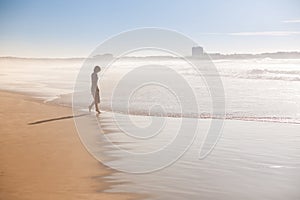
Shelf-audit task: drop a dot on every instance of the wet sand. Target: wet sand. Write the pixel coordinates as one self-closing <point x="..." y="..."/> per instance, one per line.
<point x="45" y="159"/>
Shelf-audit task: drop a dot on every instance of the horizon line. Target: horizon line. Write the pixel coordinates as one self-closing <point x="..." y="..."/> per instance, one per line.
<point x="211" y="53"/>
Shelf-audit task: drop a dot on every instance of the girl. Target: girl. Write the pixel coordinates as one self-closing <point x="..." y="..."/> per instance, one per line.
<point x="95" y="89"/>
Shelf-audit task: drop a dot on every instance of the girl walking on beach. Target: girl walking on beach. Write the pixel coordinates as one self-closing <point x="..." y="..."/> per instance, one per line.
<point x="95" y="89"/>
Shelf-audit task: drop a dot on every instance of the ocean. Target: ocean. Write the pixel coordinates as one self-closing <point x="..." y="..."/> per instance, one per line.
<point x="255" y="89"/>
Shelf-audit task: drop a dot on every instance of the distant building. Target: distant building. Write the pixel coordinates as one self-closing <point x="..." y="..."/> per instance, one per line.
<point x="197" y="51"/>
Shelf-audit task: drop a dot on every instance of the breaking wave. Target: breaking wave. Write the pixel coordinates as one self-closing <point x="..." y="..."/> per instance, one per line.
<point x="266" y="74"/>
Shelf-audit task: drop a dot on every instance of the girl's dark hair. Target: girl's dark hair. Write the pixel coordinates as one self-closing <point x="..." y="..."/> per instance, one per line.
<point x="97" y="68"/>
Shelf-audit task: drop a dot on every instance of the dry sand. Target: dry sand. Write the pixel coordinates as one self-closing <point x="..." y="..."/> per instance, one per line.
<point x="46" y="160"/>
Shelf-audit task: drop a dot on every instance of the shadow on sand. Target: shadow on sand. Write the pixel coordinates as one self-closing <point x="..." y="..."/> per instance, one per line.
<point x="56" y="119"/>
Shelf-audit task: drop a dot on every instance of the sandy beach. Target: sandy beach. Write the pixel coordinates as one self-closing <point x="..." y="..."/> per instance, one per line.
<point x="46" y="160"/>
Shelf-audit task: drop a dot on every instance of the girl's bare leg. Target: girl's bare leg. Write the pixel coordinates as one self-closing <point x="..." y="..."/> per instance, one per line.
<point x="97" y="108"/>
<point x="90" y="106"/>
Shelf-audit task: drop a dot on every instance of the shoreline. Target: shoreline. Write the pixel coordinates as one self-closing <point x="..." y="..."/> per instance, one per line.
<point x="46" y="161"/>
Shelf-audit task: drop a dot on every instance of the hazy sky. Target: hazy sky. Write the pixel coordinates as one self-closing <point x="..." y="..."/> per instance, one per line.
<point x="62" y="28"/>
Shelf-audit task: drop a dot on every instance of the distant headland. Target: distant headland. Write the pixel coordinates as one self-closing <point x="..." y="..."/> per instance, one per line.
<point x="198" y="53"/>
